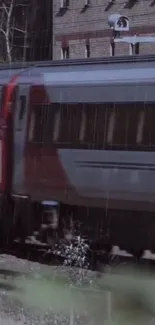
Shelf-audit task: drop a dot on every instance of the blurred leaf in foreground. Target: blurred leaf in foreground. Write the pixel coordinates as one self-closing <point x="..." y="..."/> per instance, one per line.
<point x="132" y="291"/>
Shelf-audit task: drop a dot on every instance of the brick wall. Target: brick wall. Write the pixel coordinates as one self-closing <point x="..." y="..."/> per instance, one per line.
<point x="75" y="26"/>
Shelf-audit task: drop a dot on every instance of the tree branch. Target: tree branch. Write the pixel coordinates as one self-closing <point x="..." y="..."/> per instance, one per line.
<point x="3" y="31"/>
<point x="8" y="30"/>
<point x="5" y="8"/>
<point x="18" y="29"/>
<point x="7" y="26"/>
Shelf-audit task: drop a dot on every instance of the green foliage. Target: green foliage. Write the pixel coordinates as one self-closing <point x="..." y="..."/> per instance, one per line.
<point x="132" y="291"/>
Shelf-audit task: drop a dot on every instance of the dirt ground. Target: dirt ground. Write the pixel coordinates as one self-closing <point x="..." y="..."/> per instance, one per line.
<point x="13" y="312"/>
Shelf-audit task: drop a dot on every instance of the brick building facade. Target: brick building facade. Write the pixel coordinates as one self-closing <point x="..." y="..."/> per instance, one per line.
<point x="80" y="28"/>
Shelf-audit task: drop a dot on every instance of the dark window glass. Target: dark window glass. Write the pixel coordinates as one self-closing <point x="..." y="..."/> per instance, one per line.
<point x="116" y="127"/>
<point x="74" y="123"/>
<point x="121" y="126"/>
<point x="133" y="115"/>
<point x="48" y="123"/>
<point x="102" y="116"/>
<point x="65" y="52"/>
<point x="64" y="124"/>
<point x="150" y="125"/>
<point x="143" y="127"/>
<point x="38" y="126"/>
<point x="89" y="137"/>
<point x="136" y="48"/>
<point x="22" y="107"/>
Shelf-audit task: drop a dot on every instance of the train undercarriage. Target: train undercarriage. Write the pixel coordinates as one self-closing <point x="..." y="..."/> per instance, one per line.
<point x="25" y="224"/>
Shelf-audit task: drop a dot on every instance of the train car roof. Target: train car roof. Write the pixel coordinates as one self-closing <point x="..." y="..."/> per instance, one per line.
<point x="7" y="74"/>
<point x="90" y="80"/>
<point x="88" y="61"/>
<point x="92" y="73"/>
<point x="100" y="70"/>
<point x="101" y="82"/>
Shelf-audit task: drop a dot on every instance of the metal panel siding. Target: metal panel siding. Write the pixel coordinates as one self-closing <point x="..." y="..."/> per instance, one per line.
<point x="100" y="76"/>
<point x="6" y="75"/>
<point x="101" y="93"/>
<point x="102" y="83"/>
<point x="118" y="174"/>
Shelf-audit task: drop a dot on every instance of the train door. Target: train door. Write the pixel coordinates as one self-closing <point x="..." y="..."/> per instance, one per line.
<point x="20" y="128"/>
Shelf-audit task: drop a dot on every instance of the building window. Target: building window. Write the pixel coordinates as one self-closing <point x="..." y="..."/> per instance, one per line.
<point x="131" y="46"/>
<point x="64" y="3"/>
<point x="65" y="52"/>
<point x="137" y="48"/>
<point x="112" y="49"/>
<point x="134" y="49"/>
<point x="87" y="3"/>
<point x="87" y="50"/>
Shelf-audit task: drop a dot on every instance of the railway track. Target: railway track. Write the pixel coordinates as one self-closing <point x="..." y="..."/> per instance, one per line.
<point x="36" y="251"/>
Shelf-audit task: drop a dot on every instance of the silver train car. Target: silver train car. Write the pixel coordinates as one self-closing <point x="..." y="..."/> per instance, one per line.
<point x="96" y="124"/>
<point x="82" y="133"/>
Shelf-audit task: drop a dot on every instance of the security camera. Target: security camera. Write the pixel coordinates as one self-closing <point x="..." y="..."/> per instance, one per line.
<point x="118" y="22"/>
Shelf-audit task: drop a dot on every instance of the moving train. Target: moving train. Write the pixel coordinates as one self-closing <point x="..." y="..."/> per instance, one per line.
<point x="81" y="133"/>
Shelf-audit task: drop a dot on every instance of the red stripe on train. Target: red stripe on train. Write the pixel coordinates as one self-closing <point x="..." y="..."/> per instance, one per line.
<point x="6" y="136"/>
<point x="43" y="167"/>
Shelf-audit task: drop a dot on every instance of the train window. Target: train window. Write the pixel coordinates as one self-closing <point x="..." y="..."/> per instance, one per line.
<point x="117" y="127"/>
<point x="121" y="126"/>
<point x="82" y="125"/>
<point x="100" y="124"/>
<point x="90" y="125"/>
<point x="111" y="125"/>
<point x="38" y="116"/>
<point x="133" y="114"/>
<point x="56" y="123"/>
<point x="48" y="123"/>
<point x="75" y="123"/>
<point x="140" y="128"/>
<point x="39" y="125"/>
<point x="64" y="123"/>
<point x="31" y="127"/>
<point x="56" y="129"/>
<point x="44" y="124"/>
<point x="138" y="124"/>
<point x="149" y="125"/>
<point x="22" y="107"/>
<point x="145" y="126"/>
<point x="70" y="122"/>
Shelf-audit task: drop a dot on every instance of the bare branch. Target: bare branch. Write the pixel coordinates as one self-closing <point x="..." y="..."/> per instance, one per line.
<point x="8" y="25"/>
<point x="18" y="30"/>
<point x="2" y="19"/>
<point x="2" y="31"/>
<point x="5" y="9"/>
<point x="7" y="31"/>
